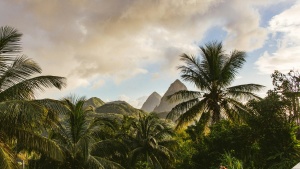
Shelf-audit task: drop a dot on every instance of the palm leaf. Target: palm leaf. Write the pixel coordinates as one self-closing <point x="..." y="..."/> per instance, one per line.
<point x="19" y="70"/>
<point x="244" y="91"/>
<point x="7" y="157"/>
<point x="31" y="140"/>
<point x="231" y="66"/>
<point x="191" y="114"/>
<point x="181" y="108"/>
<point x="9" y="40"/>
<point x="193" y="72"/>
<point x="183" y="95"/>
<point x="26" y="88"/>
<point x="107" y="163"/>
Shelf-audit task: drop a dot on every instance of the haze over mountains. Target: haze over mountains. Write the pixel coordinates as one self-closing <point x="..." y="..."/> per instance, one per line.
<point x="154" y="103"/>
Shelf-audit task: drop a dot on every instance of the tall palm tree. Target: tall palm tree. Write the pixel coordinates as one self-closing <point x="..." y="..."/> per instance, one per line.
<point x="20" y="114"/>
<point x="79" y="135"/>
<point x="151" y="142"/>
<point x="212" y="75"/>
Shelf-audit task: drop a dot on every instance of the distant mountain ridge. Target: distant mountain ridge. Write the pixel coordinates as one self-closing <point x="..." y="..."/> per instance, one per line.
<point x="94" y="102"/>
<point x="118" y="107"/>
<point x="152" y="101"/>
<point x="165" y="105"/>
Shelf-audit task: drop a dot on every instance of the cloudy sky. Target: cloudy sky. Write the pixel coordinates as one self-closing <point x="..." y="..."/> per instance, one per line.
<point x="126" y="49"/>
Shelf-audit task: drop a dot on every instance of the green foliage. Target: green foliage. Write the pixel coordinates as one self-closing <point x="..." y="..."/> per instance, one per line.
<point x="22" y="118"/>
<point x="212" y="74"/>
<point x="223" y="137"/>
<point x="231" y="162"/>
<point x="274" y="133"/>
<point x="80" y="137"/>
<point x="261" y="134"/>
<point x="267" y="140"/>
<point x="148" y="140"/>
<point x="287" y="86"/>
<point x="184" y="151"/>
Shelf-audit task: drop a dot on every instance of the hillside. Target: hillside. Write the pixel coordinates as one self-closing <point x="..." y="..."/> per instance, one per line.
<point x="94" y="101"/>
<point x="118" y="107"/>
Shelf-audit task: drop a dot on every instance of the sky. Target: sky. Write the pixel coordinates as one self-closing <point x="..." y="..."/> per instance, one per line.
<point x="127" y="49"/>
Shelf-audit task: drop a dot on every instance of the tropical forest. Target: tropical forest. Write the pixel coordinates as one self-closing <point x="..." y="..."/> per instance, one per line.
<point x="219" y="125"/>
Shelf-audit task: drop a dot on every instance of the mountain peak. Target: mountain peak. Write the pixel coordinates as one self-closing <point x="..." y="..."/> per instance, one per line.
<point x="165" y="105"/>
<point x="152" y="101"/>
<point x="94" y="102"/>
<point x="177" y="83"/>
<point x="155" y="94"/>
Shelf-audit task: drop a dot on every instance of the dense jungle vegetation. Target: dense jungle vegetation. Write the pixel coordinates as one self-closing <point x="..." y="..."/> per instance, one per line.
<point x="217" y="126"/>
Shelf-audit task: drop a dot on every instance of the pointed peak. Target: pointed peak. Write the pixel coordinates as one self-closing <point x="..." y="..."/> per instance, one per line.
<point x="177" y="81"/>
<point x="155" y="94"/>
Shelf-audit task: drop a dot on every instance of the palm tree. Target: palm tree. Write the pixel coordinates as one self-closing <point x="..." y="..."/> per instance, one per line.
<point x="151" y="142"/>
<point x="212" y="75"/>
<point x="79" y="134"/>
<point x="20" y="114"/>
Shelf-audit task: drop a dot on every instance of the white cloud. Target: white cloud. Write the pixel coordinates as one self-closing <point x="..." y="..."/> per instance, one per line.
<point x="137" y="103"/>
<point x="119" y="39"/>
<point x="98" y="84"/>
<point x="286" y="26"/>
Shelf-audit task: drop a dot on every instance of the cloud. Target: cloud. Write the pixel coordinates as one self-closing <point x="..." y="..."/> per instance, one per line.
<point x="119" y="39"/>
<point x="137" y="103"/>
<point x="285" y="28"/>
<point x="98" y="84"/>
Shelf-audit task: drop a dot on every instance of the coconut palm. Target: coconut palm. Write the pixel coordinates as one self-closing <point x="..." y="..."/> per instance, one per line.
<point x="151" y="142"/>
<point x="79" y="134"/>
<point x="212" y="75"/>
<point x="20" y="113"/>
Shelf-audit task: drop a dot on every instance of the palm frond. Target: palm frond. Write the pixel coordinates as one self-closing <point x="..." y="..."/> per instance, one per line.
<point x="230" y="113"/>
<point x="26" y="89"/>
<point x="7" y="157"/>
<point x="244" y="91"/>
<point x="169" y="143"/>
<point x="183" y="95"/>
<point x="155" y="162"/>
<point x="242" y="110"/>
<point x="107" y="164"/>
<point x="133" y="155"/>
<point x="9" y="40"/>
<point x="191" y="114"/>
<point x="181" y="108"/>
<point x="193" y="72"/>
<point x="20" y="112"/>
<point x="94" y="163"/>
<point x="164" y="134"/>
<point x="21" y="68"/>
<point x="213" y="56"/>
<point x="246" y="87"/>
<point x="29" y="139"/>
<point x="231" y="66"/>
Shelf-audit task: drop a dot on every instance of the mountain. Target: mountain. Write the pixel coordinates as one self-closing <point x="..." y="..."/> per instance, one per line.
<point x="94" y="101"/>
<point x="152" y="101"/>
<point x="164" y="105"/>
<point x="118" y="107"/>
